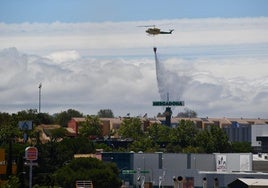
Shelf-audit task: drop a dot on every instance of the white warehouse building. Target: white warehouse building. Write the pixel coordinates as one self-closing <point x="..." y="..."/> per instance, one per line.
<point x="190" y="170"/>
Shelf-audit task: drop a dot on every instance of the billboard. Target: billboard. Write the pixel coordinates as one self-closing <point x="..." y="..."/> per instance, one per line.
<point x="221" y="163"/>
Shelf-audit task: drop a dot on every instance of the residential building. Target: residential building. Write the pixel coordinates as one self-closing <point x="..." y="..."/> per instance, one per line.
<point x="254" y="131"/>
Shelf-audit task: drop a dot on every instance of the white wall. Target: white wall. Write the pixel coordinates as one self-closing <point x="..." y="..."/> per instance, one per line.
<point x="230" y="162"/>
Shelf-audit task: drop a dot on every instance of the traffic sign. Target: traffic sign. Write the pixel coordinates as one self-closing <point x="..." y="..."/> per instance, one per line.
<point x="30" y="164"/>
<point x="129" y="171"/>
<point x="25" y="125"/>
<point x="31" y="153"/>
<point x="168" y="103"/>
<point x="144" y="171"/>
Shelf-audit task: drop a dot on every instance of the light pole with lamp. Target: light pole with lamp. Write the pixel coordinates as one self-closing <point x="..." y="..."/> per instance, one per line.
<point x="162" y="178"/>
<point x="40" y="86"/>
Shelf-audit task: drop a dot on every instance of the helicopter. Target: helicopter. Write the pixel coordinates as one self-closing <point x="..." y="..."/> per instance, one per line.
<point x="155" y="31"/>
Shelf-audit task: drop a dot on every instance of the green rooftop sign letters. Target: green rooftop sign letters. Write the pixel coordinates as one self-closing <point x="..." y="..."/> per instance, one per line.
<point x="168" y="103"/>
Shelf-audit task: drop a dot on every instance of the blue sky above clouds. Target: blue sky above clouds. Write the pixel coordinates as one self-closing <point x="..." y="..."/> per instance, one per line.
<point x="17" y="11"/>
<point x="90" y="55"/>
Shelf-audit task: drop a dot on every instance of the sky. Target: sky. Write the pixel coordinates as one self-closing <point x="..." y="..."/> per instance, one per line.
<point x="91" y="55"/>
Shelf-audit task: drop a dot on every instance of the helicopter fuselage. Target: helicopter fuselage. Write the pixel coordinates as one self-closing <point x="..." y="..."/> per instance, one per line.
<point x="156" y="31"/>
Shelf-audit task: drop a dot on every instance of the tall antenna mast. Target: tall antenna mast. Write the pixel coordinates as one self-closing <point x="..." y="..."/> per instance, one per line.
<point x="167" y="96"/>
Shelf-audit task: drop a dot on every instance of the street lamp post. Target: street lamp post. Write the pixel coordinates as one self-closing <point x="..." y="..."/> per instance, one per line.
<point x="40" y="86"/>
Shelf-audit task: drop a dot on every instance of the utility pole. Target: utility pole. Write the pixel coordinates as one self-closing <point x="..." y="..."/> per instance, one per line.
<point x="40" y="86"/>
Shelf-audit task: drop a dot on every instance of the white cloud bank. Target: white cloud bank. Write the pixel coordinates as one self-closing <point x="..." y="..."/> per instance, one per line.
<point x="222" y="64"/>
<point x="108" y="36"/>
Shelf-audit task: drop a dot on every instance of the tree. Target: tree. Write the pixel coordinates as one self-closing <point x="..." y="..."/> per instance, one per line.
<point x="186" y="133"/>
<point x="188" y="113"/>
<point x="213" y="139"/>
<point x="32" y="115"/>
<point x="131" y="128"/>
<point x="54" y="155"/>
<point x="102" y="174"/>
<point x="220" y="139"/>
<point x="64" y="117"/>
<point x="5" y="119"/>
<point x="154" y="131"/>
<point x="45" y="118"/>
<point x="241" y="147"/>
<point x="144" y="144"/>
<point x="106" y="113"/>
<point x="160" y="133"/>
<point x="23" y="115"/>
<point x="91" y="127"/>
<point x="173" y="148"/>
<point x="78" y="145"/>
<point x="57" y="134"/>
<point x="7" y="135"/>
<point x="205" y="141"/>
<point x="12" y="182"/>
<point x="161" y="114"/>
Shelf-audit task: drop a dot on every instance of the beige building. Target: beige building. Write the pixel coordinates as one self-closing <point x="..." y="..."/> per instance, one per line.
<point x="110" y="126"/>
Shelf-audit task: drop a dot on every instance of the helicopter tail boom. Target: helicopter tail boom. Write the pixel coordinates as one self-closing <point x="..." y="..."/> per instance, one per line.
<point x="167" y="32"/>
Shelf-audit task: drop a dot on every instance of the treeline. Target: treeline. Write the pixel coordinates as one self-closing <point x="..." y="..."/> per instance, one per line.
<point x="56" y="163"/>
<point x="185" y="138"/>
<point x="61" y="118"/>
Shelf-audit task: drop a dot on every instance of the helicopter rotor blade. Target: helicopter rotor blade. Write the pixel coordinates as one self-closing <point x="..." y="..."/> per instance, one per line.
<point x="146" y="26"/>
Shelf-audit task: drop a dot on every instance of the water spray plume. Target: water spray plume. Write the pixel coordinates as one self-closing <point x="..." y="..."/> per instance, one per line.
<point x="168" y="82"/>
